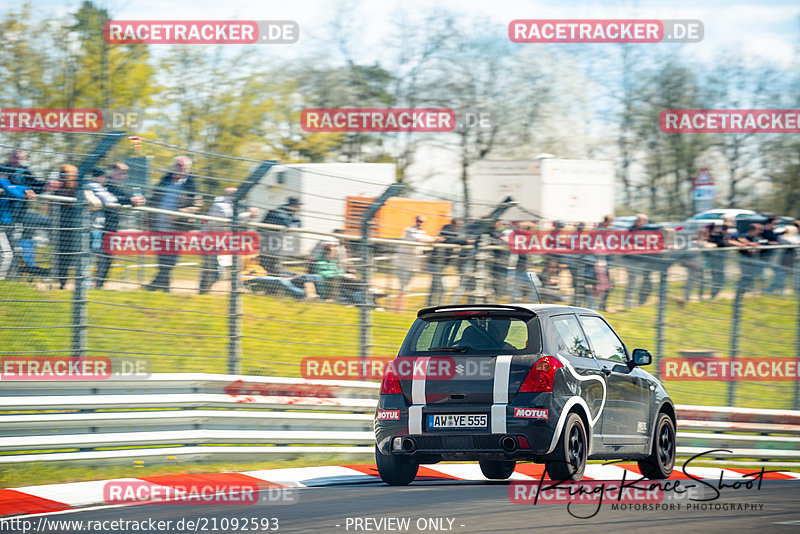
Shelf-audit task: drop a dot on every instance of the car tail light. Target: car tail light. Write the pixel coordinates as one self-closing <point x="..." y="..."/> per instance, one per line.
<point x="540" y="377"/>
<point x="390" y="385"/>
<point x="678" y="228"/>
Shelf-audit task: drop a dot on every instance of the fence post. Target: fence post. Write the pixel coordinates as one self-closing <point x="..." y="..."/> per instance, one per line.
<point x="662" y="316"/>
<point x="235" y="298"/>
<point x="80" y="311"/>
<point x="366" y="252"/>
<point x="481" y="274"/>
<point x="734" y="352"/>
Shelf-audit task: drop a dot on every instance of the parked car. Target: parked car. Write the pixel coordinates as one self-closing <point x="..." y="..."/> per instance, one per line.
<point x="528" y="382"/>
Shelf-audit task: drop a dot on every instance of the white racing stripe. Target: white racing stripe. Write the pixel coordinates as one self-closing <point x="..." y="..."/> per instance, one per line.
<point x="418" y="399"/>
<point x="502" y="373"/>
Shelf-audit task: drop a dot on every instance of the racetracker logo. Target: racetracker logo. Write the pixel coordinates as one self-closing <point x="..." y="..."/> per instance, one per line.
<point x="228" y="489"/>
<point x="71" y="368"/>
<point x="741" y="369"/>
<point x="586" y="242"/>
<point x="68" y="120"/>
<point x="730" y="121"/>
<point x="605" y="31"/>
<point x="177" y="243"/>
<point x="201" y="32"/>
<point x="345" y="368"/>
<point x="378" y="120"/>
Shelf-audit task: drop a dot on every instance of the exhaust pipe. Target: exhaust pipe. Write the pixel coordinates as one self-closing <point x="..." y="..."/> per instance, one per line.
<point x="409" y="445"/>
<point x="508" y="443"/>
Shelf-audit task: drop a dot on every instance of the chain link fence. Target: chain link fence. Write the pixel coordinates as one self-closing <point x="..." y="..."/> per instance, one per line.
<point x="343" y="293"/>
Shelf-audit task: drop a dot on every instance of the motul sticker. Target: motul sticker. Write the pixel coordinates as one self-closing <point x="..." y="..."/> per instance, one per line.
<point x="531" y="413"/>
<point x="388" y="414"/>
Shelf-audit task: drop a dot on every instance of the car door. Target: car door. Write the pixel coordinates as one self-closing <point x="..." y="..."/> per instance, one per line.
<point x="566" y="339"/>
<point x="627" y="411"/>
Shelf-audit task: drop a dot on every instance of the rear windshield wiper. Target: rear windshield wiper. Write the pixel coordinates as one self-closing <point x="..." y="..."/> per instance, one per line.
<point x="449" y="349"/>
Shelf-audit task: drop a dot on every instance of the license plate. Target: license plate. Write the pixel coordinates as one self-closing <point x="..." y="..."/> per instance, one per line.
<point x="458" y="421"/>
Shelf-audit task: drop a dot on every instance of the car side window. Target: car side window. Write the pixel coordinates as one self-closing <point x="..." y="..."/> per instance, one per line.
<point x="604" y="341"/>
<point x="570" y="337"/>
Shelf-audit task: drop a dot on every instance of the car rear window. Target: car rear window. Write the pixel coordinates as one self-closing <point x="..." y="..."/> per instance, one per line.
<point x="473" y="334"/>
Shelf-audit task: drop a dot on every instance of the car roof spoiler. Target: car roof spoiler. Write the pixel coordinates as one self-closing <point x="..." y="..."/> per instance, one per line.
<point x="476" y="307"/>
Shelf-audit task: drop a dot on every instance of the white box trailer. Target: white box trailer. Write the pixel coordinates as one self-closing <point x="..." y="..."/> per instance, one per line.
<point x="322" y="189"/>
<point x="568" y="190"/>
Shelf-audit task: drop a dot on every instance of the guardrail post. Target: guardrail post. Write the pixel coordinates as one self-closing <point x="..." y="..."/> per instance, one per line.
<point x="796" y="292"/>
<point x="235" y="300"/>
<point x="662" y="316"/>
<point x="735" y="319"/>
<point x="80" y="311"/>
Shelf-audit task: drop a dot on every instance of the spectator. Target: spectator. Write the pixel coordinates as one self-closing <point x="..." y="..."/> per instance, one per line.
<point x="175" y="192"/>
<point x="450" y="234"/>
<point x="68" y="240"/>
<point x="296" y="285"/>
<point x="602" y="276"/>
<point x="283" y="215"/>
<point x="769" y="237"/>
<point x="18" y="173"/>
<point x="523" y="290"/>
<point x="750" y="264"/>
<point x="222" y="207"/>
<point x="336" y="282"/>
<point x="408" y="258"/>
<point x="718" y="237"/>
<point x="785" y="260"/>
<point x="500" y="255"/>
<point x="115" y="192"/>
<point x="637" y="269"/>
<point x="10" y="194"/>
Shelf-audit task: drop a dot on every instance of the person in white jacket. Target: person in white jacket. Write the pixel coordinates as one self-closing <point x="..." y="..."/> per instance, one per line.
<point x="408" y="258"/>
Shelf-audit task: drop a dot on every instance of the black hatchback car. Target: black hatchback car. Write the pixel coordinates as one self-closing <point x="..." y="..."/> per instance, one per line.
<point x="506" y="383"/>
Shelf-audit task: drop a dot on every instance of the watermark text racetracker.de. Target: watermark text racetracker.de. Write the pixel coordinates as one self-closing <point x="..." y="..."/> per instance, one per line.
<point x="730" y="121"/>
<point x="586" y="242"/>
<point x="21" y="368"/>
<point x="395" y="120"/>
<point x="192" y="243"/>
<point x="605" y="31"/>
<point x="201" y="32"/>
<point x="69" y="120"/>
<point x="738" y="370"/>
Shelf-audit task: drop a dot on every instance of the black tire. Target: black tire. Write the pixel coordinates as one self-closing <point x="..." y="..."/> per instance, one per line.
<point x="497" y="469"/>
<point x="395" y="470"/>
<point x="661" y="461"/>
<point x="568" y="460"/>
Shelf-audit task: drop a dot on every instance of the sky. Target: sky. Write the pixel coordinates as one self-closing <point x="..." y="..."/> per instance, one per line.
<point x="765" y="31"/>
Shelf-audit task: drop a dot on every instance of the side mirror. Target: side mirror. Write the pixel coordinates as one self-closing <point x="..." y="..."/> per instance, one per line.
<point x="642" y="357"/>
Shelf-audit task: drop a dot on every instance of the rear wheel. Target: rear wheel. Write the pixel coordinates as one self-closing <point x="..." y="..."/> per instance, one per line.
<point x="568" y="460"/>
<point x="497" y="469"/>
<point x="395" y="470"/>
<point x="662" y="458"/>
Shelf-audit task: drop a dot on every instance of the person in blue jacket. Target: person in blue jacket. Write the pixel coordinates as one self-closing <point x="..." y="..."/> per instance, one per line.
<point x="11" y="194"/>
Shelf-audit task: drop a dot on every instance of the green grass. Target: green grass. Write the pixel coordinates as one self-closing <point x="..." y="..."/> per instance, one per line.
<point x="279" y="332"/>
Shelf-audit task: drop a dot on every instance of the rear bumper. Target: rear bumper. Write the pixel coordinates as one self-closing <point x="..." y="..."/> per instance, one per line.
<point x="532" y="436"/>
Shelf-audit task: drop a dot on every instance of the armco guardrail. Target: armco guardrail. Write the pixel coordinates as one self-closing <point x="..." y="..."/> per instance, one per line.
<point x="202" y="416"/>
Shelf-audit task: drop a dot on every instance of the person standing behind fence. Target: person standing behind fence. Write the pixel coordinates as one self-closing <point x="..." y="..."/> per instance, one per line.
<point x="110" y="193"/>
<point x="10" y="194"/>
<point x="638" y="269"/>
<point x="785" y="260"/>
<point x="441" y="257"/>
<point x="750" y="263"/>
<point x="283" y="215"/>
<point x="68" y="236"/>
<point x="175" y="192"/>
<point x="222" y="207"/>
<point x="408" y="258"/>
<point x="719" y="237"/>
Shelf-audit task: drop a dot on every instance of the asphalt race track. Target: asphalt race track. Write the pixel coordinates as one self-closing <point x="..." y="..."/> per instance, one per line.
<point x="452" y="506"/>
